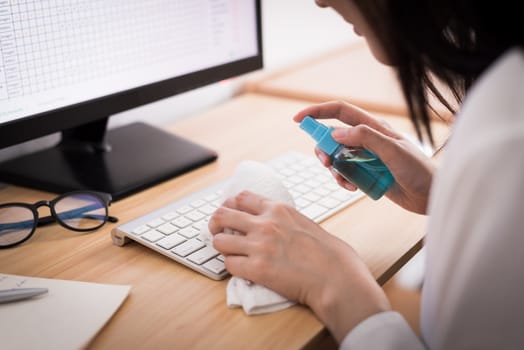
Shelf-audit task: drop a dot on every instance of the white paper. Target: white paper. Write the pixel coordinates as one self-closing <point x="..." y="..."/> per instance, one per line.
<point x="67" y="317"/>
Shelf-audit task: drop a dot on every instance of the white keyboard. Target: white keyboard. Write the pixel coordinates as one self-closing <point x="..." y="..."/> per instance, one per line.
<point x="174" y="230"/>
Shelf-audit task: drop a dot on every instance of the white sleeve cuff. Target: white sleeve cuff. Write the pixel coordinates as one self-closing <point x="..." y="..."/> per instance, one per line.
<point x="385" y="330"/>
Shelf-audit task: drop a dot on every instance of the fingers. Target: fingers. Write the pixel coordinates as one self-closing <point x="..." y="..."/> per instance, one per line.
<point x="235" y="251"/>
<point x="238" y="266"/>
<point x="243" y="267"/>
<point x="324" y="159"/>
<point x="225" y="217"/>
<point x="230" y="244"/>
<point x="384" y="146"/>
<point x="238" y="213"/>
<point x="249" y="202"/>
<point x="342" y="182"/>
<point x="347" y="113"/>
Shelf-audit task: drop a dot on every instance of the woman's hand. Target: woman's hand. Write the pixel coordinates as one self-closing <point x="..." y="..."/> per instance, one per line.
<point x="290" y="254"/>
<point x="411" y="169"/>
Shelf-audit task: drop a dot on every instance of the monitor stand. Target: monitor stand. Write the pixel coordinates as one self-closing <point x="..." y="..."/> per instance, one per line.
<point x="123" y="161"/>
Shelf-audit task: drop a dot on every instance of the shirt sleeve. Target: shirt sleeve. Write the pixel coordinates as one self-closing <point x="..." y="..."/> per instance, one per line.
<point x="385" y="330"/>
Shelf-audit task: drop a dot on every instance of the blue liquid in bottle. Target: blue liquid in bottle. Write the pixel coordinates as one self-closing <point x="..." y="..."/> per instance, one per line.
<point x="357" y="165"/>
<point x="364" y="169"/>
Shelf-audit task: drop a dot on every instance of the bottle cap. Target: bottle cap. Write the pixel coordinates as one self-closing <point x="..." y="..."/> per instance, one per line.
<point x="321" y="134"/>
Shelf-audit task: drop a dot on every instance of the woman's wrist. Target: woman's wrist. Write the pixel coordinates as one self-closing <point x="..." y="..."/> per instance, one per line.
<point x="349" y="297"/>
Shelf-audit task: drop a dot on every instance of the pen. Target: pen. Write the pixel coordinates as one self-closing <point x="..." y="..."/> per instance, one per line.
<point x="9" y="295"/>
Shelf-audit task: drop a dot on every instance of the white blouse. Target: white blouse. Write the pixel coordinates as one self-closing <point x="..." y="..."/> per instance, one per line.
<point x="473" y="294"/>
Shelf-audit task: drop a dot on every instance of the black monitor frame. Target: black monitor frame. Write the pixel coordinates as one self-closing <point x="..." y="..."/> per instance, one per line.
<point x="83" y="128"/>
<point x="42" y="124"/>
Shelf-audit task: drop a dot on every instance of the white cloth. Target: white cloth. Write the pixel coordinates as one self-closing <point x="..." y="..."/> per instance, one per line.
<point x="261" y="179"/>
<point x="473" y="293"/>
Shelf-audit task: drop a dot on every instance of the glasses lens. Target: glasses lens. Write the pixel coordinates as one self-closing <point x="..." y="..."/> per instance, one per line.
<point x="81" y="211"/>
<point x="16" y="223"/>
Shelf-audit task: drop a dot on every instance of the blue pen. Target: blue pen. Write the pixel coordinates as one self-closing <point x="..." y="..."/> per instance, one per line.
<point x="9" y="295"/>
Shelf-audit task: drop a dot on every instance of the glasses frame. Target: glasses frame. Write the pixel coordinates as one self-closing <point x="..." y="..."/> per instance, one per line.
<point x="105" y="198"/>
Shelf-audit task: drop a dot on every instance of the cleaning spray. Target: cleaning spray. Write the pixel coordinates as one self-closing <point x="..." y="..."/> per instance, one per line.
<point x="355" y="164"/>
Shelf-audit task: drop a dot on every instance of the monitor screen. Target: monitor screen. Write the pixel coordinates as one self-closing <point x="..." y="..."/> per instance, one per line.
<point x="67" y="65"/>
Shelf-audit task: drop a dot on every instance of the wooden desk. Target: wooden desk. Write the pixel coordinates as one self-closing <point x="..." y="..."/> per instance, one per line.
<point x="172" y="307"/>
<point x="350" y="74"/>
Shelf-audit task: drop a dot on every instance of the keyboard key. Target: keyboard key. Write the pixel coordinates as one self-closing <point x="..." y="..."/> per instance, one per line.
<point x="301" y="203"/>
<point x="313" y="211"/>
<point x="188" y="247"/>
<point x="215" y="266"/>
<point x="295" y="194"/>
<point x="181" y="222"/>
<point x="208" y="209"/>
<point x="295" y="179"/>
<point x="331" y="186"/>
<point x="308" y="174"/>
<point x="318" y="170"/>
<point x="170" y="216"/>
<point x="311" y="196"/>
<point x="152" y="236"/>
<point x="325" y="178"/>
<point x="322" y="191"/>
<point x="211" y="197"/>
<point x="329" y="202"/>
<point x="171" y="241"/>
<point x="189" y="232"/>
<point x="184" y="209"/>
<point x="287" y="184"/>
<point x="198" y="203"/>
<point x="302" y="188"/>
<point x="167" y="228"/>
<point x="299" y="168"/>
<point x="309" y="161"/>
<point x="141" y="229"/>
<point x="201" y="256"/>
<point x="343" y="195"/>
<point x="195" y="215"/>
<point x="155" y="223"/>
<point x="313" y="183"/>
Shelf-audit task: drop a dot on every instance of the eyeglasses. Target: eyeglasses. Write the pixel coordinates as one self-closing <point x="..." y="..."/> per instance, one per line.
<point x="78" y="211"/>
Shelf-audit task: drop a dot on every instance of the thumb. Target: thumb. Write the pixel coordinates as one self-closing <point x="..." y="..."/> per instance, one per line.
<point x="385" y="147"/>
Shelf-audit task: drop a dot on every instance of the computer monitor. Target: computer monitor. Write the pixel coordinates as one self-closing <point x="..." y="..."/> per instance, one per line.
<point x="68" y="65"/>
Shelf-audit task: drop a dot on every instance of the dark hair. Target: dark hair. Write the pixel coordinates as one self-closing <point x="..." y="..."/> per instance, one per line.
<point x="452" y="40"/>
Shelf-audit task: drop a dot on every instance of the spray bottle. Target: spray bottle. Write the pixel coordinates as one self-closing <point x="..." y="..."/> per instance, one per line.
<point x="355" y="164"/>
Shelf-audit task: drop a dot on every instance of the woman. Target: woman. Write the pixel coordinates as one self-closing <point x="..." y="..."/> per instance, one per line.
<point x="473" y="294"/>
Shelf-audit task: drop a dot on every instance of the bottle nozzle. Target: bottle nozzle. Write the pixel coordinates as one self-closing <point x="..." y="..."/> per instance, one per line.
<point x="320" y="133"/>
<point x="313" y="128"/>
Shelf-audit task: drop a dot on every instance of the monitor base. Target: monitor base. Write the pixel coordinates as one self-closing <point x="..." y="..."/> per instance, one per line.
<point x="139" y="156"/>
